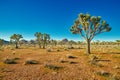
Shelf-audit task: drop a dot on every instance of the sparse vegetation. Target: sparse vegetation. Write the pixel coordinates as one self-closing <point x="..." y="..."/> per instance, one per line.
<point x="52" y="67"/>
<point x="36" y="41"/>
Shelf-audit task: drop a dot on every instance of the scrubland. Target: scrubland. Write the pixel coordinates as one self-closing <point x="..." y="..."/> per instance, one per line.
<point x="60" y="63"/>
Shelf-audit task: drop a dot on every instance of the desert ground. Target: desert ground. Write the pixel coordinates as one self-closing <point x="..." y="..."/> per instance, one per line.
<point x="61" y="64"/>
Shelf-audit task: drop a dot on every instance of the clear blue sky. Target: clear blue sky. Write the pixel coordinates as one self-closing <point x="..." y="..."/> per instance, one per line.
<point x="55" y="17"/>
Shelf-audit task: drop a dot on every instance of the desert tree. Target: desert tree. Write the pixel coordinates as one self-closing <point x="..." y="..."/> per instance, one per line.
<point x="118" y="42"/>
<point x="16" y="39"/>
<point x="88" y="27"/>
<point x="46" y="38"/>
<point x="53" y="42"/>
<point x="39" y="37"/>
<point x="1" y="42"/>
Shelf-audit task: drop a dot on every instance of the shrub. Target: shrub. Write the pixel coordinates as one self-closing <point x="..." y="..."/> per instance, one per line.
<point x="63" y="61"/>
<point x="30" y="61"/>
<point x="115" y="77"/>
<point x="71" y="47"/>
<point x="71" y="56"/>
<point x="103" y="73"/>
<point x="71" y="62"/>
<point x="52" y="67"/>
<point x="58" y="50"/>
<point x="9" y="61"/>
<point x="66" y="49"/>
<point x="93" y="59"/>
<point x="48" y="50"/>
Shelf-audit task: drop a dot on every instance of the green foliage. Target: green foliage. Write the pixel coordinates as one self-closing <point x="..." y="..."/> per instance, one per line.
<point x="39" y="37"/>
<point x="42" y="39"/>
<point x="117" y="40"/>
<point x="89" y="26"/>
<point x="16" y="39"/>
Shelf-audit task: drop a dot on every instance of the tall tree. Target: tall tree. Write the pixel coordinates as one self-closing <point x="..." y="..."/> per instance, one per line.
<point x="16" y="38"/>
<point x="88" y="27"/>
<point x="39" y="37"/>
<point x="46" y="38"/>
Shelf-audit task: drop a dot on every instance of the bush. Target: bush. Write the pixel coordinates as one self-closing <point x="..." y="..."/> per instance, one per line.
<point x="93" y="59"/>
<point x="103" y="73"/>
<point x="58" y="50"/>
<point x="52" y="67"/>
<point x="115" y="77"/>
<point x="48" y="50"/>
<point x="71" y="47"/>
<point x="71" y="56"/>
<point x="71" y="62"/>
<point x="30" y="62"/>
<point x="66" y="49"/>
<point x="62" y="60"/>
<point x="9" y="61"/>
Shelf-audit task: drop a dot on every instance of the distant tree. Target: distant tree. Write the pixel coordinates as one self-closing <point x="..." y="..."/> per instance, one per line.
<point x="88" y="27"/>
<point x="39" y="37"/>
<point x="53" y="42"/>
<point x="71" y="42"/>
<point x="42" y="39"/>
<point x="118" y="42"/>
<point x="16" y="38"/>
<point x="46" y="38"/>
<point x="1" y="42"/>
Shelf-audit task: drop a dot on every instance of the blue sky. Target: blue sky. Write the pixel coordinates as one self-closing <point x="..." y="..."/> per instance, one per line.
<point x="55" y="17"/>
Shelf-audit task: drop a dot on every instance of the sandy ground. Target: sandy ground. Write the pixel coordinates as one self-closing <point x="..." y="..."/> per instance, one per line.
<point x="78" y="68"/>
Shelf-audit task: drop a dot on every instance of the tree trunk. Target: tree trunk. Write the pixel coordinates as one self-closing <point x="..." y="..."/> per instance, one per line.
<point x="39" y="45"/>
<point x="44" y="45"/>
<point x="16" y="45"/>
<point x="88" y="46"/>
